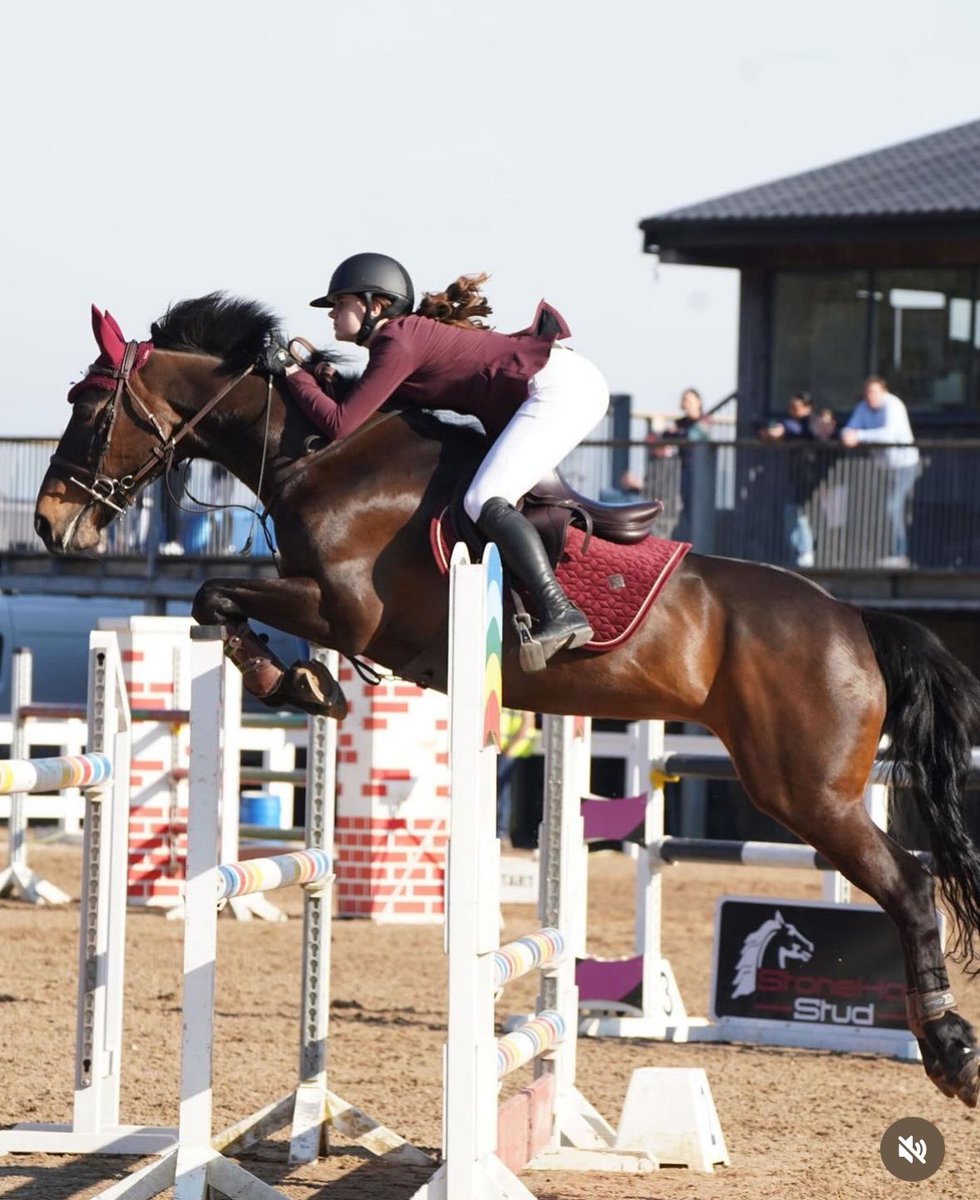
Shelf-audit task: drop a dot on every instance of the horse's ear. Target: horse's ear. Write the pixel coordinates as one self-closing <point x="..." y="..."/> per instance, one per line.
<point x="114" y="326"/>
<point x="108" y="336"/>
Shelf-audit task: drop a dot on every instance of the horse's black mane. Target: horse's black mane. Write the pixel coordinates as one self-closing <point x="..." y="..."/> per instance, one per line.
<point x="227" y="327"/>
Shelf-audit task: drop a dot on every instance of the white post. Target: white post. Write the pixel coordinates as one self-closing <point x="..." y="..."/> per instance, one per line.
<point x="877" y="797"/>
<point x="562" y="848"/>
<point x="20" y="694"/>
<point x="564" y="870"/>
<point x="102" y="944"/>
<point x="473" y="871"/>
<point x="206" y="781"/>
<point x="471" y="1167"/>
<point x="309" y="1129"/>
<point x="649" y="885"/>
<point x="231" y="725"/>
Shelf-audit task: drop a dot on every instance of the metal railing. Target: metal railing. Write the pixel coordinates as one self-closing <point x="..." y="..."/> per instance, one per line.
<point x="743" y="499"/>
<point x="816" y="505"/>
<point x="154" y="525"/>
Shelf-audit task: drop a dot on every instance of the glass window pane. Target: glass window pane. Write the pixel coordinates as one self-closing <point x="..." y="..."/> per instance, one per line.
<point x="923" y="335"/>
<point x="819" y="332"/>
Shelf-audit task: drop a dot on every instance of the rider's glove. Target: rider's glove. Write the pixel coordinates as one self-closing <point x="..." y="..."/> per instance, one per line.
<point x="273" y="359"/>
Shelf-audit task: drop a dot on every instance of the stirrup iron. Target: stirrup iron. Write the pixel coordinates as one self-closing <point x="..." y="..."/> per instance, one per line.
<point x="532" y="656"/>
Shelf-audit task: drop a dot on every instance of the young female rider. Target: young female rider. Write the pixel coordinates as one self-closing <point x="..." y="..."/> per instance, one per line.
<point x="536" y="400"/>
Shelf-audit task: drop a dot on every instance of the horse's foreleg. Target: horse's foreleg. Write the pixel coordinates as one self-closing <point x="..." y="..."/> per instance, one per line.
<point x="292" y="605"/>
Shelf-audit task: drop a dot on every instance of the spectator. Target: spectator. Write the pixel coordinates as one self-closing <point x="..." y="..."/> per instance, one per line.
<point x="801" y="482"/>
<point x="170" y="513"/>
<point x="796" y="421"/>
<point x="823" y="425"/>
<point x="518" y="741"/>
<point x="630" y="488"/>
<point x="692" y="427"/>
<point x="882" y="418"/>
<point x="828" y="495"/>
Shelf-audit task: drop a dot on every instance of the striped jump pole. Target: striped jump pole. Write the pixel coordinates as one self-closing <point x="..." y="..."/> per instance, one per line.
<point x="746" y="854"/>
<point x="303" y="867"/>
<point x="17" y="878"/>
<point x="20" y="777"/>
<point x="542" y="1126"/>
<point x="31" y="775"/>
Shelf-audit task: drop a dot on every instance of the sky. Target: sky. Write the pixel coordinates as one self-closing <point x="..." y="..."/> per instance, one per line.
<point x="158" y="151"/>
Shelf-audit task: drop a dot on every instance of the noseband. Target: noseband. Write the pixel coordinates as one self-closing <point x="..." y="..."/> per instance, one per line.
<point x="119" y="492"/>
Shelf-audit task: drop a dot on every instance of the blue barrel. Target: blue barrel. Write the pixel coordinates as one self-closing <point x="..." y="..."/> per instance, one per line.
<point x="259" y="808"/>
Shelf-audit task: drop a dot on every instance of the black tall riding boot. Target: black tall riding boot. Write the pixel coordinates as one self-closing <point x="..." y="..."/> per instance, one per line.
<point x="561" y="626"/>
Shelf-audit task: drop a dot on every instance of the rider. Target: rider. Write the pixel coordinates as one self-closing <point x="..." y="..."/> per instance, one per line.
<point x="535" y="398"/>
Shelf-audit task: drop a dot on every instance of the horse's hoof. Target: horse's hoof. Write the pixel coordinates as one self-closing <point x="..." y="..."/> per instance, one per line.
<point x="941" y="1082"/>
<point x="311" y="688"/>
<point x="967" y="1086"/>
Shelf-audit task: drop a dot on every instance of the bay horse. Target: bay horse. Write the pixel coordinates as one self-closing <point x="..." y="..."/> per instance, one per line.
<point x="800" y="687"/>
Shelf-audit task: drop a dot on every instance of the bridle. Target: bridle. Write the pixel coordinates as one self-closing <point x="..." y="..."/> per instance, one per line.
<point x="119" y="492"/>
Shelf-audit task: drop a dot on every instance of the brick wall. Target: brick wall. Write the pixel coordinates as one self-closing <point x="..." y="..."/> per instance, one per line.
<point x="155" y="657"/>
<point x="392" y="801"/>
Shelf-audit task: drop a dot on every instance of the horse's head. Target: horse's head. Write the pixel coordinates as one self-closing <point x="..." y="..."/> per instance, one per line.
<point x="138" y="410"/>
<point x="88" y="479"/>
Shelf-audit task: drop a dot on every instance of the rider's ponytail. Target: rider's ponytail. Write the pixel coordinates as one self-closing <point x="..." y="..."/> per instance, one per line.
<point x="462" y="303"/>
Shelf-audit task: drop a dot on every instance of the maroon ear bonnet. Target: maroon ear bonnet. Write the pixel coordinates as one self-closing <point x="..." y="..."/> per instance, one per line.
<point x="109" y="338"/>
<point x="112" y="346"/>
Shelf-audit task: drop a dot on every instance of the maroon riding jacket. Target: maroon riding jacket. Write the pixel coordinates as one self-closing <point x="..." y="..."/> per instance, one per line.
<point x="425" y="362"/>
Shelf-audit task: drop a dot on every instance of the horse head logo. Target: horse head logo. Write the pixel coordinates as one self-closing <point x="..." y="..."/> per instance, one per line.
<point x="785" y="939"/>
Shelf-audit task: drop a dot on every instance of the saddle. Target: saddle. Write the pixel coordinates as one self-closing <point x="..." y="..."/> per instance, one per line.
<point x="552" y="504"/>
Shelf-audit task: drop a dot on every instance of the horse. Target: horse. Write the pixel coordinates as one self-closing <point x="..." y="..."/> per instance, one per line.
<point x="799" y="686"/>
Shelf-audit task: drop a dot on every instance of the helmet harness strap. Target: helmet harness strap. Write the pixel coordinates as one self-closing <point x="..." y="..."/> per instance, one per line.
<point x="369" y="322"/>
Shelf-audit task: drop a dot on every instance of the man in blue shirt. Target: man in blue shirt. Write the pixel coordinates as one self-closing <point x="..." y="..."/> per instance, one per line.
<point x="882" y="418"/>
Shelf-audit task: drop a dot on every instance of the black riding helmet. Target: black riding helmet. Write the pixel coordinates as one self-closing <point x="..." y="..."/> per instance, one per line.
<point x="367" y="276"/>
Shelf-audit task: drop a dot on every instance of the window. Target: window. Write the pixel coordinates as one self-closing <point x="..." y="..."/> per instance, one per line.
<point x="924" y="336"/>
<point x="919" y="328"/>
<point x="820" y="330"/>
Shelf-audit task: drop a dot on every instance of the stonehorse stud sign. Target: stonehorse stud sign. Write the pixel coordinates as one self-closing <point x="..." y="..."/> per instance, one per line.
<point x="797" y="685"/>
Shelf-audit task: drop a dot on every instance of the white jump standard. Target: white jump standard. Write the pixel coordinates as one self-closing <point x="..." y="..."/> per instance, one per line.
<point x="550" y="1122"/>
<point x="95" y="1126"/>
<point x="198" y="1161"/>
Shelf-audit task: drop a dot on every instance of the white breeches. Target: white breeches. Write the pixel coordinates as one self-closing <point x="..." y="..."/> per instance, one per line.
<point x="565" y="401"/>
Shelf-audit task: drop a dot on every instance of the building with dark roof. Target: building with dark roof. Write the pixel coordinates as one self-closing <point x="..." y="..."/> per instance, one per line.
<point x="867" y="266"/>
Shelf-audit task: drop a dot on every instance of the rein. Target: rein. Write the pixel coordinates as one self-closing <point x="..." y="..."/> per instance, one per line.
<point x="119" y="492"/>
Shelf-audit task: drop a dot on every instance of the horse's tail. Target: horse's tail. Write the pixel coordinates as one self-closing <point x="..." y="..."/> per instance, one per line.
<point x="933" y="719"/>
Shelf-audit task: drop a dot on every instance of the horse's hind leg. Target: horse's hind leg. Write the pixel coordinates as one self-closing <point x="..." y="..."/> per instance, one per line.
<point x="834" y="821"/>
<point x="946" y="1040"/>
